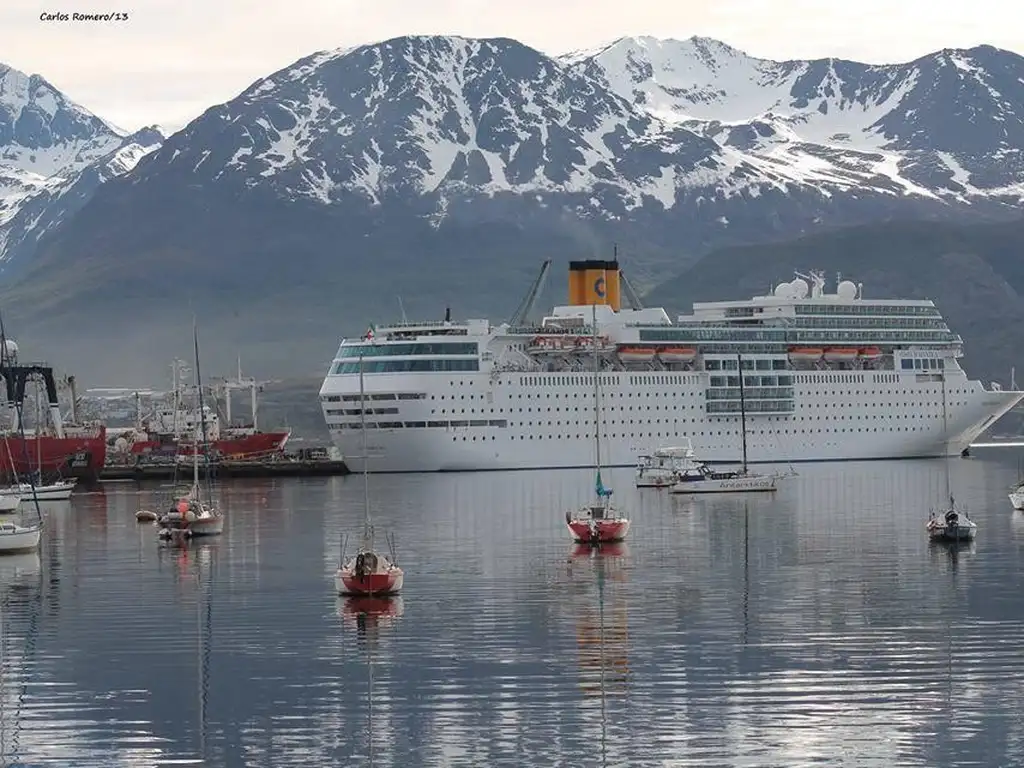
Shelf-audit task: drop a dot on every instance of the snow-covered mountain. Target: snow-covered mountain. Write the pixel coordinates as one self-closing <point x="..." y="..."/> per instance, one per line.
<point x="53" y="155"/>
<point x="946" y="126"/>
<point x="639" y="122"/>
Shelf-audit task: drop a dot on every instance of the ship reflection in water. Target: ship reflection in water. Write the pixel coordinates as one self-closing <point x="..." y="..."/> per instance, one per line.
<point x="730" y="631"/>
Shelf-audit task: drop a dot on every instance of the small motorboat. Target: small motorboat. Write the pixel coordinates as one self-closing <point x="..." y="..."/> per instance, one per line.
<point x="661" y="468"/>
<point x="1017" y="497"/>
<point x="146" y="516"/>
<point x="952" y="526"/>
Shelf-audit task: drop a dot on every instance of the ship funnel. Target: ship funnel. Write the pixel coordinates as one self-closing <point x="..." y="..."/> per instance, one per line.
<point x="594" y="282"/>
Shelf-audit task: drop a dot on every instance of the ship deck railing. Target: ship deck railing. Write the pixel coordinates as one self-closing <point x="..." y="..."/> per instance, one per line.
<point x="540" y="330"/>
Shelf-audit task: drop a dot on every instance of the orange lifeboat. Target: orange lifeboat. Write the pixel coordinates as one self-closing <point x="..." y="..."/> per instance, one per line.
<point x="841" y="354"/>
<point x="871" y="353"/>
<point x="677" y="354"/>
<point x="805" y="354"/>
<point x="633" y="354"/>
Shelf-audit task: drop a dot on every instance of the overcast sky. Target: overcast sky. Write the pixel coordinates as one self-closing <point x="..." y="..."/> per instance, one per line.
<point x="174" y="58"/>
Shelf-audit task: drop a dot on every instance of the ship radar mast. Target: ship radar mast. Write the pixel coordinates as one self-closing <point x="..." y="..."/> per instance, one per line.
<point x="817" y="281"/>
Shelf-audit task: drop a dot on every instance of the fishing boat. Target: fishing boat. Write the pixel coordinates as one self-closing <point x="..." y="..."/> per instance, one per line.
<point x="953" y="525"/>
<point x="697" y="477"/>
<point x="598" y="522"/>
<point x="18" y="535"/>
<point x="368" y="572"/>
<point x="192" y="514"/>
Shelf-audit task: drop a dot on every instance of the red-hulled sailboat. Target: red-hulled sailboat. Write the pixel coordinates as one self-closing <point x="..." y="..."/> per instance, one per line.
<point x="368" y="572"/>
<point x="598" y="522"/>
<point x="55" y="447"/>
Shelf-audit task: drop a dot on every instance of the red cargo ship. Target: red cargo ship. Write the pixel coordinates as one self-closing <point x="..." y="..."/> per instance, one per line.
<point x="67" y="449"/>
<point x="172" y="427"/>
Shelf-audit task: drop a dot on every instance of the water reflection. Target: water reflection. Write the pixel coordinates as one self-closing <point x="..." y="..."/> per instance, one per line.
<point x="778" y="629"/>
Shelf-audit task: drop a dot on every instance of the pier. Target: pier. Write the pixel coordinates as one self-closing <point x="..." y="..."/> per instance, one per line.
<point x="306" y="463"/>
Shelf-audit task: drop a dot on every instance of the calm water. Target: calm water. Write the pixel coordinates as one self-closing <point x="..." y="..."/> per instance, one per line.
<point x="815" y="627"/>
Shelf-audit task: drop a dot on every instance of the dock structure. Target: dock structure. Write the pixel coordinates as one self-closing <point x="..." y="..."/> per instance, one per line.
<point x="306" y="463"/>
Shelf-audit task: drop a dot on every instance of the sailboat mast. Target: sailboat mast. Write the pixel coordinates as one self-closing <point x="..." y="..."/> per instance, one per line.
<point x="597" y="391"/>
<point x="202" y="414"/>
<point x="366" y="474"/>
<point x="945" y="438"/>
<point x="743" y="412"/>
<point x="39" y="435"/>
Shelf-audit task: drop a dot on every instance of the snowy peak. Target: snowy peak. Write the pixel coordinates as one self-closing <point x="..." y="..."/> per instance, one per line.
<point x="937" y="102"/>
<point x="426" y="115"/>
<point x="44" y="132"/>
<point x="53" y="155"/>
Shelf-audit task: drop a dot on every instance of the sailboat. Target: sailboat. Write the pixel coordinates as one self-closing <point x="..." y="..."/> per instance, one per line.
<point x="191" y="515"/>
<point x="368" y="572"/>
<point x="697" y="477"/>
<point x="954" y="525"/>
<point x="18" y="491"/>
<point x="18" y="536"/>
<point x="1017" y="492"/>
<point x="599" y="522"/>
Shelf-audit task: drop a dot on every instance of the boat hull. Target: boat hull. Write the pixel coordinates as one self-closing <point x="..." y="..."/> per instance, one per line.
<point x="254" y="446"/>
<point x="207" y="526"/>
<point x="16" y="538"/>
<point x="348" y="582"/>
<point x="78" y="456"/>
<point x="1017" y="500"/>
<point x="748" y="484"/>
<point x="586" y="531"/>
<point x="10" y="500"/>
<point x="654" y="480"/>
<point x="549" y="444"/>
<point x="59" y="491"/>
<point x="960" y="533"/>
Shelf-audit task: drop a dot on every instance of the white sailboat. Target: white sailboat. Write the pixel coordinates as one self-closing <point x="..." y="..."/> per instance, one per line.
<point x="191" y="514"/>
<point x="19" y="535"/>
<point x="953" y="525"/>
<point x="368" y="572"/>
<point x="599" y="522"/>
<point x="698" y="477"/>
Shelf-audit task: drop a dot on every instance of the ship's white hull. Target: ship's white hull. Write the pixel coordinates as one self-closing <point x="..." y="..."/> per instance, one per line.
<point x="1017" y="500"/>
<point x="541" y="421"/>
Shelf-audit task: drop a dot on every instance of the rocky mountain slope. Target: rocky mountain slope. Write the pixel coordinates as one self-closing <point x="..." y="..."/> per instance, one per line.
<point x="444" y="169"/>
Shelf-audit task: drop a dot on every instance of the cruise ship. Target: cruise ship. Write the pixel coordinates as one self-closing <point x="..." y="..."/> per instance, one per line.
<point x="826" y="376"/>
